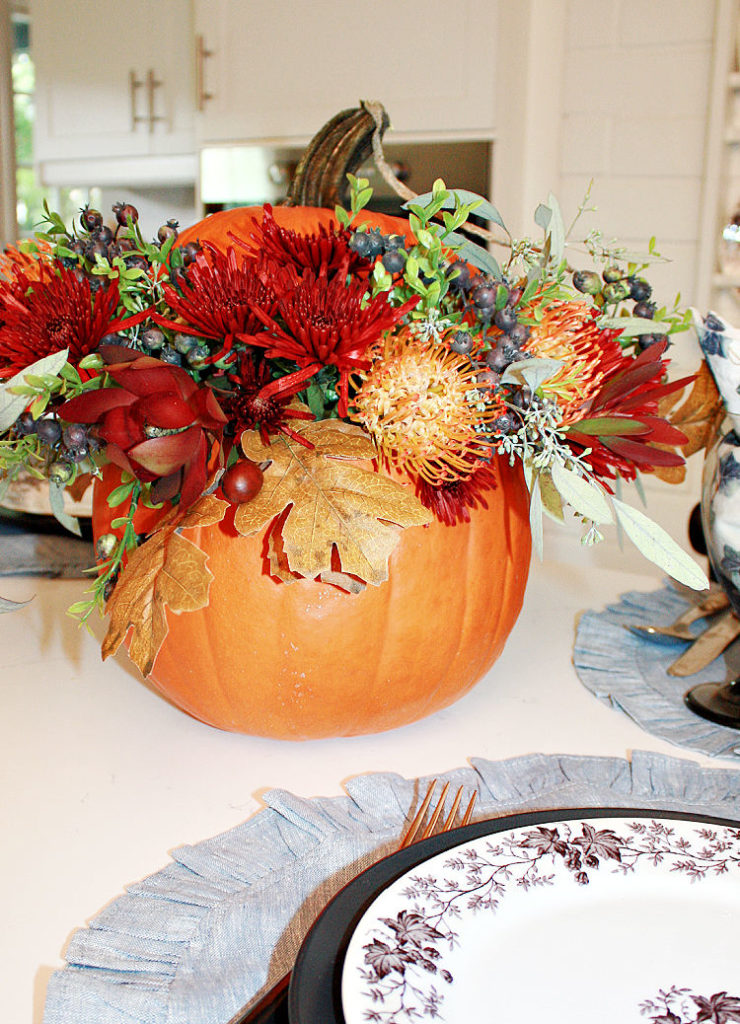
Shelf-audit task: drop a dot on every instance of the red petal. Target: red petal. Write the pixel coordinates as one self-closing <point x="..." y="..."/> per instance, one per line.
<point x="194" y="476"/>
<point x="123" y="427"/>
<point x="93" y="405"/>
<point x="167" y="409"/>
<point x="163" y="455"/>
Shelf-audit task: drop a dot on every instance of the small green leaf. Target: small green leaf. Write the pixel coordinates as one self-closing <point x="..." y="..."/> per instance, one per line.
<point x="659" y="547"/>
<point x="585" y="497"/>
<point x="119" y="494"/>
<point x="608" y="426"/>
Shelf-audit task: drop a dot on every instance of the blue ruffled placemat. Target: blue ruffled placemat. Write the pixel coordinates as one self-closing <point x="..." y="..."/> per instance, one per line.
<point x="630" y="673"/>
<point x="225" y="919"/>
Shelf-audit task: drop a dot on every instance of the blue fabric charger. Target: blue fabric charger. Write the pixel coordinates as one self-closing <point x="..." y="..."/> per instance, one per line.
<point x="224" y="920"/>
<point x="630" y="673"/>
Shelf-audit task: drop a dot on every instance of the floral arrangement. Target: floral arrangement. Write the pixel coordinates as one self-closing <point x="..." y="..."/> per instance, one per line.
<point x="203" y="370"/>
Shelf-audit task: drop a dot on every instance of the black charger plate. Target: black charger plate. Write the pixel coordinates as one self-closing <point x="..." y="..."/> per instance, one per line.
<point x="314" y="995"/>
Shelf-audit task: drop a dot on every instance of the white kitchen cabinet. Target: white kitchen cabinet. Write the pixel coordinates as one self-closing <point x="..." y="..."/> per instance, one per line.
<point x="280" y="71"/>
<point x="114" y="81"/>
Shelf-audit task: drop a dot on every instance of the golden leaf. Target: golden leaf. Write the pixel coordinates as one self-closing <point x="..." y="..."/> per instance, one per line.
<point x="697" y="417"/>
<point x="329" y="501"/>
<point x="168" y="570"/>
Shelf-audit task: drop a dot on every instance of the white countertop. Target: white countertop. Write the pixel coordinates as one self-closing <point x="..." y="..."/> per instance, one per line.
<point x="102" y="777"/>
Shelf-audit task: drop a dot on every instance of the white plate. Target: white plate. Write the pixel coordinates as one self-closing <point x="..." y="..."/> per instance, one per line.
<point x="568" y="922"/>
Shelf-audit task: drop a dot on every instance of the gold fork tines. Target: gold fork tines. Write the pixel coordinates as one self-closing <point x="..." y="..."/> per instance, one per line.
<point x="431" y="826"/>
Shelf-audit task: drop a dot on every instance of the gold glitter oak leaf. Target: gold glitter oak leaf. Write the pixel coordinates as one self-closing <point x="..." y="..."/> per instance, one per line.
<point x="325" y="497"/>
<point x="167" y="570"/>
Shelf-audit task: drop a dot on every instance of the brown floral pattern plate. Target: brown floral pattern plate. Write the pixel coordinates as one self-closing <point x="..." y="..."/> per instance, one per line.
<point x="562" y="916"/>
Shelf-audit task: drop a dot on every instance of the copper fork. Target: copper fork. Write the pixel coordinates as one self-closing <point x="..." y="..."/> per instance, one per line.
<point x="272" y="1009"/>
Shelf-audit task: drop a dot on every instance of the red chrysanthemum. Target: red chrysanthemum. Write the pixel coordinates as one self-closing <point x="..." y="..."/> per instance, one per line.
<point x="218" y="297"/>
<point x="249" y="407"/>
<point x="53" y="311"/>
<point x="156" y="423"/>
<point x="451" y="501"/>
<point x="323" y="322"/>
<point x="329" y="247"/>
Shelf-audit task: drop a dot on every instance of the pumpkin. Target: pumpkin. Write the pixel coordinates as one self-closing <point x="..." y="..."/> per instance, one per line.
<point x="307" y="659"/>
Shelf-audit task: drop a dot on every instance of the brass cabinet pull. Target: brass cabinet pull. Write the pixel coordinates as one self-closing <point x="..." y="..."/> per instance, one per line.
<point x="152" y="83"/>
<point x="134" y="84"/>
<point x="201" y="55"/>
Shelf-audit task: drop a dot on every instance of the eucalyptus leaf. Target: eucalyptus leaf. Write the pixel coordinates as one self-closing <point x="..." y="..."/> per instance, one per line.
<point x="632" y="326"/>
<point x="535" y="518"/>
<point x="56" y="502"/>
<point x="479" y="256"/>
<point x="586" y="498"/>
<point x="11" y="406"/>
<point x="552" y="500"/>
<point x="556" y="229"/>
<point x="659" y="547"/>
<point x="7" y="605"/>
<point x="532" y="372"/>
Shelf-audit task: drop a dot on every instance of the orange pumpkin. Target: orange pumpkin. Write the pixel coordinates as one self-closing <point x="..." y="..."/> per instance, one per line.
<point x="307" y="660"/>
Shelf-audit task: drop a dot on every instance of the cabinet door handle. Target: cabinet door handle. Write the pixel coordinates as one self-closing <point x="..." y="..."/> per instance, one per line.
<point x="134" y="84"/>
<point x="152" y="83"/>
<point x="201" y="55"/>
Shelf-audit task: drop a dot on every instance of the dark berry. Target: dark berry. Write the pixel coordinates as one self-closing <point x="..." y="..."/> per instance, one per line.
<point x="360" y="243"/>
<point x="125" y="213"/>
<point x="103" y="234"/>
<point x="90" y="219"/>
<point x="49" y="431"/>
<point x="242" y="482"/>
<point x="190" y="252"/>
<point x="587" y="281"/>
<point x="505" y="319"/>
<point x="152" y="339"/>
<point x="646" y="340"/>
<point x="197" y="355"/>
<point x="514" y="296"/>
<point x="77" y="246"/>
<point x="496" y="360"/>
<point x="393" y="242"/>
<point x="519" y="334"/>
<point x="77" y="454"/>
<point x="25" y="424"/>
<point x="74" y="436"/>
<point x="640" y="289"/>
<point x="461" y="342"/>
<point x="184" y="342"/>
<point x="169" y="355"/>
<point x="94" y="248"/>
<point x="394" y="261"/>
<point x="615" y="291"/>
<point x="168" y="230"/>
<point x="459" y="276"/>
<point x="644" y="310"/>
<point x="376" y="243"/>
<point x="484" y="297"/>
<point x="136" y="262"/>
<point x="612" y="273"/>
<point x="115" y="249"/>
<point x="114" y="339"/>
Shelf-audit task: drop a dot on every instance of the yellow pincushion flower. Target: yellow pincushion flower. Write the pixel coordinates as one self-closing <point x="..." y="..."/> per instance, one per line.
<point x="424" y="408"/>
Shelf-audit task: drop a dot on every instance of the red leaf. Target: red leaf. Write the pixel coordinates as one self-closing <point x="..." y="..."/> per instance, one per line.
<point x="642" y="454"/>
<point x="163" y="455"/>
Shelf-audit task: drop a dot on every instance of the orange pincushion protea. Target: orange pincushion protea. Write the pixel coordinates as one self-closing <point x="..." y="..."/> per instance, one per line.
<point x="424" y="408"/>
<point x="568" y="332"/>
